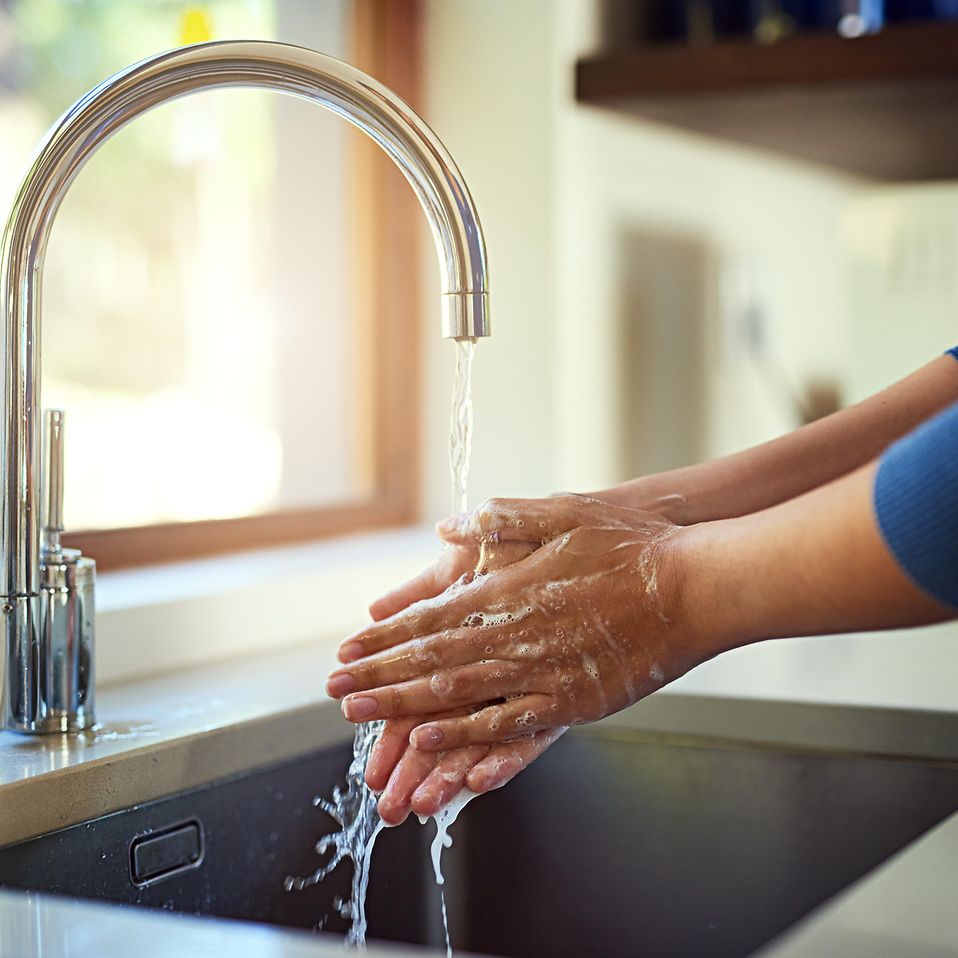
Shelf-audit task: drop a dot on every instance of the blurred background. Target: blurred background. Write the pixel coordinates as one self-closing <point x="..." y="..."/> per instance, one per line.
<point x="708" y="222"/>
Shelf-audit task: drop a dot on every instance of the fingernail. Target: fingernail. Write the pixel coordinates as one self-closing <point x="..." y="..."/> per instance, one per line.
<point x="350" y="652"/>
<point x="359" y="707"/>
<point x="340" y="684"/>
<point x="426" y="736"/>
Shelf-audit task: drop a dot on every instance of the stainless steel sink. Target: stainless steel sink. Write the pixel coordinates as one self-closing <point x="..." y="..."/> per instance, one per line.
<point x="616" y="842"/>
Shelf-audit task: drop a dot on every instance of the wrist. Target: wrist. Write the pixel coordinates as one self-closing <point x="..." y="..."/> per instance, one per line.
<point x="704" y="601"/>
<point x="658" y="493"/>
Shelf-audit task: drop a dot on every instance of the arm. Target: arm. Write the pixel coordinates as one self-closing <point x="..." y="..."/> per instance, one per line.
<point x="815" y="565"/>
<point x="620" y="602"/>
<point x="427" y="781"/>
<point x="786" y="467"/>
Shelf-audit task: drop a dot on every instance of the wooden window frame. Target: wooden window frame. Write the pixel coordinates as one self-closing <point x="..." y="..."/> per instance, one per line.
<point x="387" y="38"/>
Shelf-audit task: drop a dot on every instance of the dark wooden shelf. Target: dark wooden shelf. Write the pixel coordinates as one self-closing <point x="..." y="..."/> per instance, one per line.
<point x="883" y="106"/>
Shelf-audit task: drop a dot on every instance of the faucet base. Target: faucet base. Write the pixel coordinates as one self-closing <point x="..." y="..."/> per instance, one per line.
<point x="50" y="638"/>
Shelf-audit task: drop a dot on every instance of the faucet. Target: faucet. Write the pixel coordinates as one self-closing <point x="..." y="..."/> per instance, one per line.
<point x="47" y="592"/>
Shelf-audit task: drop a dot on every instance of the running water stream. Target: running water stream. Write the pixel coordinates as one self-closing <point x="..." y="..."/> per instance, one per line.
<point x="460" y="425"/>
<point x="354" y="808"/>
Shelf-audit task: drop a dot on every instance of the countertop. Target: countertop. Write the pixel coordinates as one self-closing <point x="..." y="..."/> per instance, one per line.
<point x="173" y="732"/>
<point x="49" y="926"/>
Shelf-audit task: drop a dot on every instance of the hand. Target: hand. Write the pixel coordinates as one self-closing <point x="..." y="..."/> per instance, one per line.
<point x="426" y="781"/>
<point x="589" y="623"/>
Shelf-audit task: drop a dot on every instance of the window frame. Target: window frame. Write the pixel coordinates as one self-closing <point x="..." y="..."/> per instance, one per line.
<point x="386" y="43"/>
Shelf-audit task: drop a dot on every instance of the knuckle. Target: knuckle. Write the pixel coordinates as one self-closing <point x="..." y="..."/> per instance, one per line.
<point x="441" y="686"/>
<point x="366" y="675"/>
<point x="450" y="686"/>
<point x="424" y="655"/>
<point x="578" y="535"/>
<point x="393" y="700"/>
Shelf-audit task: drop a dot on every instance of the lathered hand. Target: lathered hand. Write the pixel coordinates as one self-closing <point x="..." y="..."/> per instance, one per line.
<point x="587" y="624"/>
<point x="424" y="782"/>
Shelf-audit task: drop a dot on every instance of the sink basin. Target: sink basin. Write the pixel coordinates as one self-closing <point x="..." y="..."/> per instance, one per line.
<point x="615" y="842"/>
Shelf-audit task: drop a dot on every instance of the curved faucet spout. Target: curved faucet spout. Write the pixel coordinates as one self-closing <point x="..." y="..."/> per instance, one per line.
<point x="75" y="137"/>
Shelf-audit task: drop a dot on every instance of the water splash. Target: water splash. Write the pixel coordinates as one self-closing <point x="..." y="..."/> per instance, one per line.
<point x="354" y="810"/>
<point x="444" y="819"/>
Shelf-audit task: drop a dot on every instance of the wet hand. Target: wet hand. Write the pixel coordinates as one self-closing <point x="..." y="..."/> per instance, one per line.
<point x="424" y="782"/>
<point x="584" y="626"/>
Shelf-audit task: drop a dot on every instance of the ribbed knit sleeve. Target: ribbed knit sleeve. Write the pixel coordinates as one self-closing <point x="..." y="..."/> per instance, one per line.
<point x="916" y="502"/>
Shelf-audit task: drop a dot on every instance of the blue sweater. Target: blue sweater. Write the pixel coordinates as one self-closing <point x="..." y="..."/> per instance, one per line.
<point x="916" y="502"/>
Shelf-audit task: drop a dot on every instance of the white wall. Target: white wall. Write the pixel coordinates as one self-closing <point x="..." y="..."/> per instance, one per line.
<point x="901" y="248"/>
<point x="555" y="183"/>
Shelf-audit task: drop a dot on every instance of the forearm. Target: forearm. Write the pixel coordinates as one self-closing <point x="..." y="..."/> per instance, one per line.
<point x="791" y="465"/>
<point x="615" y="603"/>
<point x="816" y="564"/>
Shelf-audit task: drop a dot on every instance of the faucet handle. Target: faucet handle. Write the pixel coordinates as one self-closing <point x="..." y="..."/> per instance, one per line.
<point x="51" y="517"/>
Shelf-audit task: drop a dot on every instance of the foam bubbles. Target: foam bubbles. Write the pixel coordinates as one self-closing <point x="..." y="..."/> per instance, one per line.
<point x="491" y="620"/>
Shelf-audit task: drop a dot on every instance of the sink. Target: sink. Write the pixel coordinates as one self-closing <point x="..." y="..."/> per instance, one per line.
<point x="615" y="842"/>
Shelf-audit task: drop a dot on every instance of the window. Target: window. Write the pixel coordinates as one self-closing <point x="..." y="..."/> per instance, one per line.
<point x="215" y="285"/>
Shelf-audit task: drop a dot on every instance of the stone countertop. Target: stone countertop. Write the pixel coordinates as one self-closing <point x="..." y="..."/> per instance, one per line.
<point x="49" y="926"/>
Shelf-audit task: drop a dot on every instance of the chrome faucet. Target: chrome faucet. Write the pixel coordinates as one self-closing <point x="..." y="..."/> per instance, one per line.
<point x="47" y="591"/>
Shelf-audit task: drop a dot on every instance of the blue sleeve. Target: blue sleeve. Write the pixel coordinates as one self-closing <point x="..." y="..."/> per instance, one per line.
<point x="953" y="352"/>
<point x="916" y="502"/>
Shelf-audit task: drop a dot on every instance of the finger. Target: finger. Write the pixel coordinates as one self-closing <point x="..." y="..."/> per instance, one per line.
<point x="503" y="762"/>
<point x="466" y="685"/>
<point x="450" y="566"/>
<point x="495" y="723"/>
<point x="413" y="659"/>
<point x="426" y="585"/>
<point x="450" y="611"/>
<point x="390" y="747"/>
<point x="407" y="776"/>
<point x="446" y="780"/>
<point x="388" y="750"/>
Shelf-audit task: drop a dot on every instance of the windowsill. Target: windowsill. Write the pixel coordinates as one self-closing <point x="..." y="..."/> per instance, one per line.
<point x="162" y="618"/>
